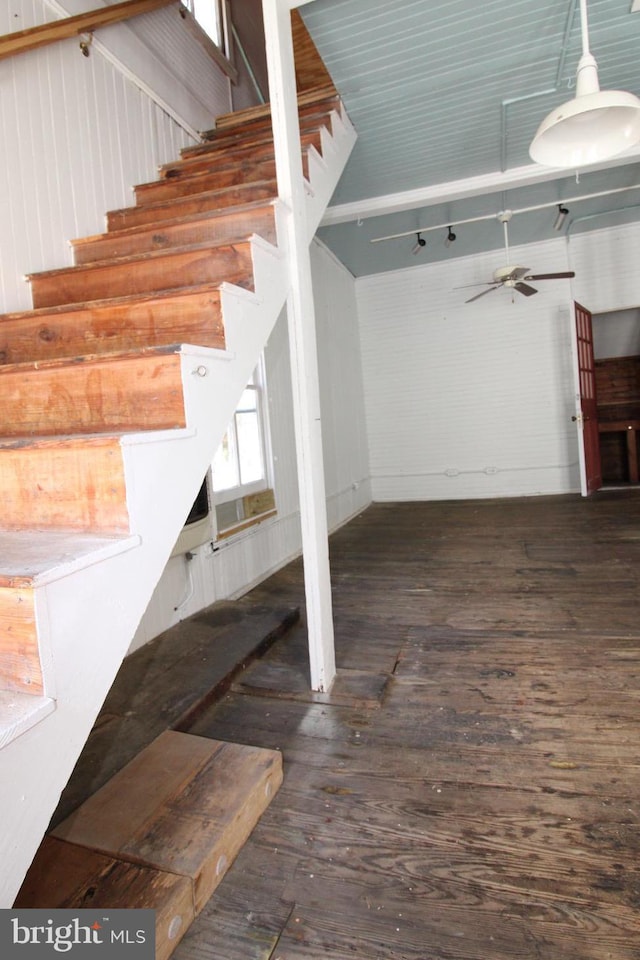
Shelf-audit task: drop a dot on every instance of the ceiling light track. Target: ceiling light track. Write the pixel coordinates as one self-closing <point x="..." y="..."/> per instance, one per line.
<point x="495" y="216"/>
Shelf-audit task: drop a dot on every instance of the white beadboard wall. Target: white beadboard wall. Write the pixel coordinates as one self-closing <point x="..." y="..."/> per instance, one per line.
<point x="245" y="560"/>
<point x="76" y="134"/>
<point x="468" y="400"/>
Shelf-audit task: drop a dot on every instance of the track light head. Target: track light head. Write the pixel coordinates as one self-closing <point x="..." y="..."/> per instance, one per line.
<point x="419" y="244"/>
<point x="561" y="216"/>
<point x="450" y="238"/>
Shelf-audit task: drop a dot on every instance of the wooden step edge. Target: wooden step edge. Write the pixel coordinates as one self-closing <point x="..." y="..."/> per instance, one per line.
<point x="141" y="353"/>
<point x="315" y="95"/>
<point x="157" y="225"/>
<point x="21" y="711"/>
<point x="132" y="259"/>
<point x="212" y="194"/>
<point x="260" y="125"/>
<point x="226" y="156"/>
<point x="249" y="137"/>
<point x="110" y="302"/>
<point x="34" y="558"/>
<point x="245" y="166"/>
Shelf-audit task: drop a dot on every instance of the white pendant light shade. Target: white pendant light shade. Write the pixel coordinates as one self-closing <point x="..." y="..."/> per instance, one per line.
<point x="595" y="125"/>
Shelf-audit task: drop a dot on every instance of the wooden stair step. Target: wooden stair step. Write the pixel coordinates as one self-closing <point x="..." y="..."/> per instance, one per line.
<point x="99" y="394"/>
<point x="146" y="274"/>
<point x="182" y="315"/>
<point x="228" y="140"/>
<point x="66" y="876"/>
<point x="248" y="115"/>
<point x="185" y="805"/>
<point x="209" y="201"/>
<point x="223" y="157"/>
<point x="20" y="668"/>
<point x="38" y="557"/>
<point x="229" y="225"/>
<point x="30" y="559"/>
<point x="260" y="130"/>
<point x="64" y="483"/>
<point x="245" y="171"/>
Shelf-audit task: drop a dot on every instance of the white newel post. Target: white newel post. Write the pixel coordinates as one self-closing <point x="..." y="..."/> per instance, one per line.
<point x="302" y="343"/>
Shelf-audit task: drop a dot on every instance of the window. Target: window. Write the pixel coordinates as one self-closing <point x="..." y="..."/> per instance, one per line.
<point x="240" y="469"/>
<point x="211" y="15"/>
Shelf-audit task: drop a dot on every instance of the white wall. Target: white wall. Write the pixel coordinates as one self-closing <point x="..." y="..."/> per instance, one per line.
<point x="76" y="134"/>
<point x="468" y="400"/>
<point x="244" y="560"/>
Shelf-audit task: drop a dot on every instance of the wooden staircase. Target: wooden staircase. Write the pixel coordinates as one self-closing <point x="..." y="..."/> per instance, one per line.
<point x="116" y="390"/>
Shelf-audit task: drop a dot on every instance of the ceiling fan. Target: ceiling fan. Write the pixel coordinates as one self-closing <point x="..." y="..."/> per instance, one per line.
<point x="514" y="277"/>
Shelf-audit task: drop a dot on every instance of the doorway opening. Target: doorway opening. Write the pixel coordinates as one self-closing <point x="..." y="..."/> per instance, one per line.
<point x="616" y="348"/>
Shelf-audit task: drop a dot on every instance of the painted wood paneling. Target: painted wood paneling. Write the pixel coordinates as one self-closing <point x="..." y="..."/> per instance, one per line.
<point x="468" y="399"/>
<point x="76" y="134"/>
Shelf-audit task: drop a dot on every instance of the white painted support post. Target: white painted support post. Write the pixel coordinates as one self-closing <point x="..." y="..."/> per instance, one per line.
<point x="302" y="343"/>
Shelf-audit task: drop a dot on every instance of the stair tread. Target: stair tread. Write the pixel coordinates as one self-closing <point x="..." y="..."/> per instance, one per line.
<point x="237" y="117"/>
<point x="147" y="351"/>
<point x="106" y="302"/>
<point x="204" y="216"/>
<point x="33" y="557"/>
<point x="132" y="259"/>
<point x="213" y="194"/>
<point x="19" y="712"/>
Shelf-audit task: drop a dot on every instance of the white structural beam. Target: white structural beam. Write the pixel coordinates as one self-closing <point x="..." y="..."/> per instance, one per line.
<point x="451" y="190"/>
<point x="302" y="343"/>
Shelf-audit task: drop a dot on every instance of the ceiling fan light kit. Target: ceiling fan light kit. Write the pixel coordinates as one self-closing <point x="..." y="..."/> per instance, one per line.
<point x="594" y="126"/>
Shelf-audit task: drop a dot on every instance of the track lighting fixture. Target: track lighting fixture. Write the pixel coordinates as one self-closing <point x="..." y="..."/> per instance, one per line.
<point x="595" y="125"/>
<point x="560" y="217"/>
<point x="449" y="239"/>
<point x="419" y="244"/>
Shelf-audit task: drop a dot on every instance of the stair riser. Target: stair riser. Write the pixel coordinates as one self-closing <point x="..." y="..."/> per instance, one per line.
<point x="131" y="393"/>
<point x="20" y="670"/>
<point x="252" y="140"/>
<point x="245" y="119"/>
<point x="149" y="321"/>
<point x="232" y="227"/>
<point x="191" y="206"/>
<point x="145" y="276"/>
<point x="246" y="172"/>
<point x="224" y="157"/>
<point x="61" y="485"/>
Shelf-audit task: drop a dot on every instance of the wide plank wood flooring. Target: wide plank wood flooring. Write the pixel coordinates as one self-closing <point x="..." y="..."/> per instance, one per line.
<point x="470" y="788"/>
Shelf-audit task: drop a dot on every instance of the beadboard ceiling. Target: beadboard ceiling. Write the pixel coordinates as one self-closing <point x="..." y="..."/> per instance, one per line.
<point x="446" y="96"/>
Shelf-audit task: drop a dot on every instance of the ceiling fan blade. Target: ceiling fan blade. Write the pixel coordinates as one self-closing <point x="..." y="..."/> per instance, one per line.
<point x="482" y="293"/>
<point x="550" y="276"/>
<point x="465" y="286"/>
<point x="524" y="288"/>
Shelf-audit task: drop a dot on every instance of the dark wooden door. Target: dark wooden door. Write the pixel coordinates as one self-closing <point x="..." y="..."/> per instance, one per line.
<point x="588" y="400"/>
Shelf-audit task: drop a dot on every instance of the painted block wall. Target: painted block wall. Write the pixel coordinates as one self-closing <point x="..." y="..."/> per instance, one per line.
<point x="248" y="558"/>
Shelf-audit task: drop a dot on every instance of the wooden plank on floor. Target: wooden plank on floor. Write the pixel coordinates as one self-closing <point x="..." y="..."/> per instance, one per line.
<point x="64" y="875"/>
<point x="184" y="805"/>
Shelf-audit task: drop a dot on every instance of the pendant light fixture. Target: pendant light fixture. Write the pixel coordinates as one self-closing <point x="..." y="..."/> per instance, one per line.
<point x="595" y="125"/>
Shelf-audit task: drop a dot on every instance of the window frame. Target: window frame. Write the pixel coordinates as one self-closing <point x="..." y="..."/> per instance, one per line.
<point x="256" y="383"/>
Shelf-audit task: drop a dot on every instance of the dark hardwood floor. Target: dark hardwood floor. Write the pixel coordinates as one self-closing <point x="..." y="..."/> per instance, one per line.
<point x="470" y="789"/>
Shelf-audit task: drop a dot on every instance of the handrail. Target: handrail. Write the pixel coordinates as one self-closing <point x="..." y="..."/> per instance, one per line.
<point x="23" y="40"/>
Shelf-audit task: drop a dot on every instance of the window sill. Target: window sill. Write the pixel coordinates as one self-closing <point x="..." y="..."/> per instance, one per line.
<point x="245" y="524"/>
